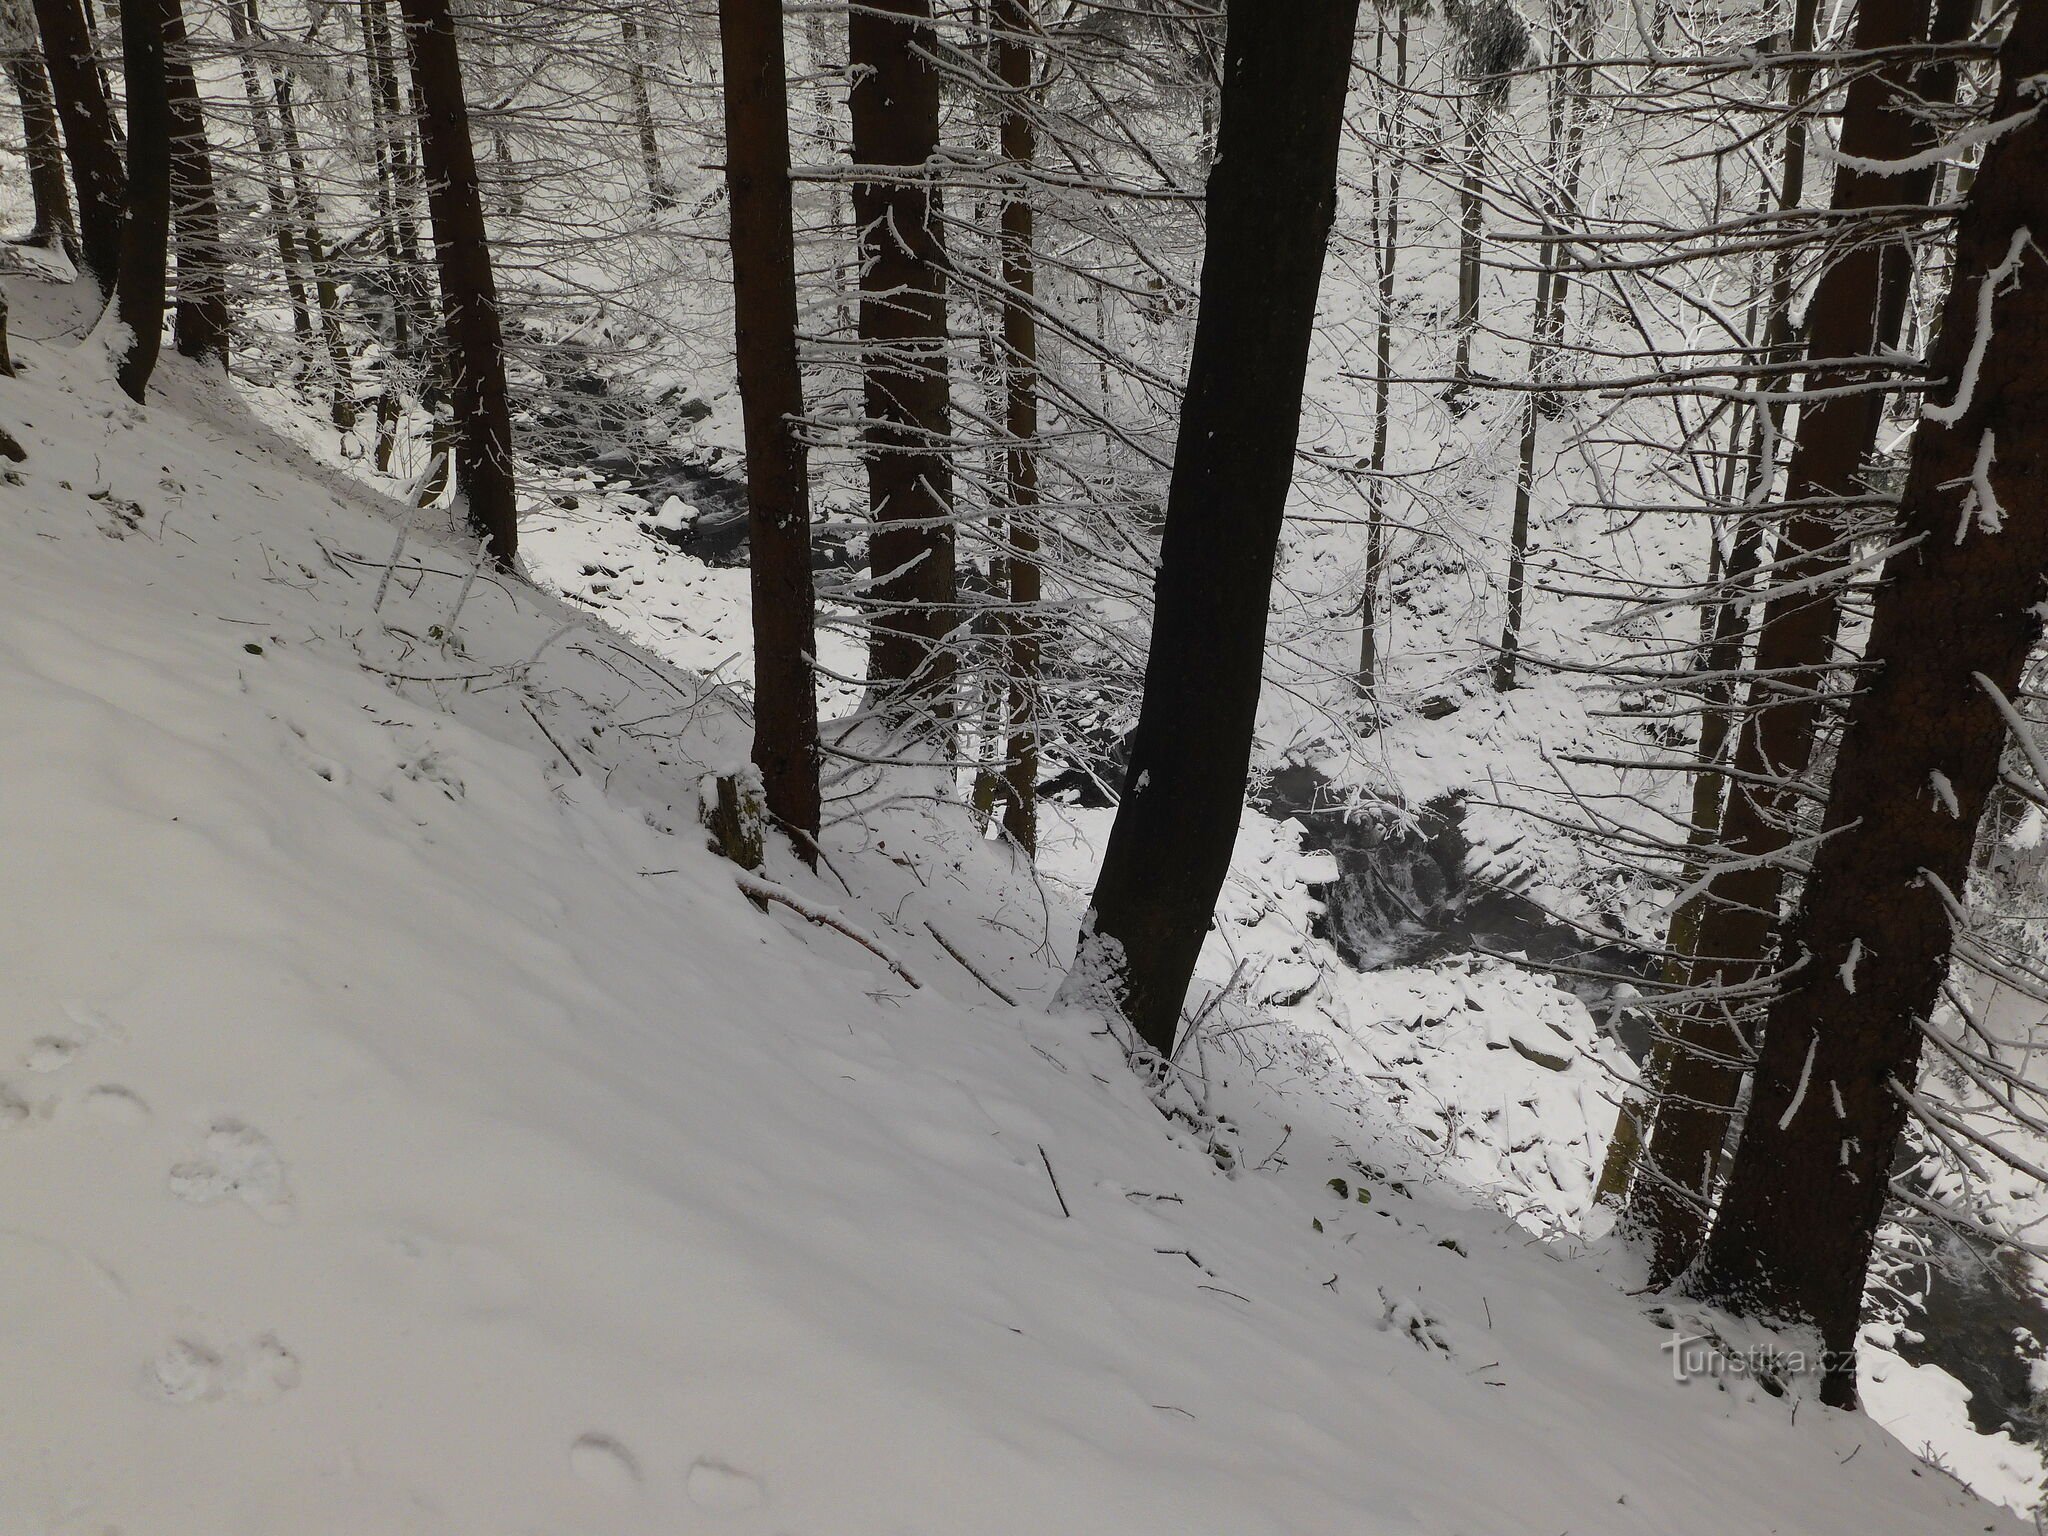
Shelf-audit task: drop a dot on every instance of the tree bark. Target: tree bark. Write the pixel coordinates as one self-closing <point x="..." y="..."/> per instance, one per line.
<point x="469" y="291"/>
<point x="1795" y="651"/>
<point x="894" y="103"/>
<point x="43" y="141"/>
<point x="1955" y="618"/>
<point x="146" y="224"/>
<point x="1271" y="198"/>
<point x="660" y="195"/>
<point x="201" y="324"/>
<point x="1387" y="250"/>
<point x="90" y="140"/>
<point x="1018" y="142"/>
<point x="771" y="399"/>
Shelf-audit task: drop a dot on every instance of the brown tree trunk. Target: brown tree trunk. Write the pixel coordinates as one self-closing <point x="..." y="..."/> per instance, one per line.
<point x="201" y="327"/>
<point x="771" y="400"/>
<point x="1271" y="198"/>
<point x="43" y="141"/>
<point x="146" y="222"/>
<point x="1014" y="27"/>
<point x="894" y="102"/>
<point x="1954" y="620"/>
<point x="469" y="289"/>
<point x="1668" y="1202"/>
<point x="90" y="139"/>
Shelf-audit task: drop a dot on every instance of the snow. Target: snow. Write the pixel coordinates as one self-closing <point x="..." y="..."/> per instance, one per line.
<point x="410" y="1127"/>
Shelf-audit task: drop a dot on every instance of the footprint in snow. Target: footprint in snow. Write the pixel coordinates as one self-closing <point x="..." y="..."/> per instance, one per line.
<point x="239" y="1163"/>
<point x="721" y="1489"/>
<point x="604" y="1463"/>
<point x="51" y="1053"/>
<point x="190" y="1370"/>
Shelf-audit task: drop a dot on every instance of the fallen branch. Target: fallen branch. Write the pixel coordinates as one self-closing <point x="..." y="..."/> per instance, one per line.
<point x="767" y="890"/>
<point x="967" y="965"/>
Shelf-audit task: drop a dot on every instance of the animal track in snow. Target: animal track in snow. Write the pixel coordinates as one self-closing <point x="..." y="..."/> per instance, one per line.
<point x="115" y="1105"/>
<point x="51" y="1053"/>
<point x="722" y="1489"/>
<point x="604" y="1463"/>
<point x="238" y="1163"/>
<point x="190" y="1370"/>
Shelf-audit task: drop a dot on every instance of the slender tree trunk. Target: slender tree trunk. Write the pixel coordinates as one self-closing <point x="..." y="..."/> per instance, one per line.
<point x="1668" y="1202"/>
<point x="146" y="223"/>
<point x="1388" y="253"/>
<point x="90" y="139"/>
<point x="1567" y="130"/>
<point x="659" y="194"/>
<point x="43" y="141"/>
<point x="264" y="131"/>
<point x="894" y="103"/>
<point x="1471" y="228"/>
<point x="1955" y="618"/>
<point x="771" y="397"/>
<point x="326" y="293"/>
<point x="1271" y="198"/>
<point x="202" y="314"/>
<point x="1015" y="27"/>
<point x="469" y="289"/>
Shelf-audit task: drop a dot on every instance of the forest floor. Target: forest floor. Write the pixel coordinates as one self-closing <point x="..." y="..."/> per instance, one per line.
<point x="409" y="1126"/>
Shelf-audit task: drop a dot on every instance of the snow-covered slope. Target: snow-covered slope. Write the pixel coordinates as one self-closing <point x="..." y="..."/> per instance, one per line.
<point x="407" y="1127"/>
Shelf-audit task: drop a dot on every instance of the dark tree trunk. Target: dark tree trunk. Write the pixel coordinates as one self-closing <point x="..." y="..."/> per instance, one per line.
<point x="771" y="399"/>
<point x="469" y="289"/>
<point x="1019" y="144"/>
<point x="43" y="141"/>
<point x="91" y="141"/>
<point x="894" y="104"/>
<point x="146" y="222"/>
<point x="201" y="325"/>
<point x="1271" y="198"/>
<point x="1387" y="252"/>
<point x="1795" y="651"/>
<point x="1955" y="617"/>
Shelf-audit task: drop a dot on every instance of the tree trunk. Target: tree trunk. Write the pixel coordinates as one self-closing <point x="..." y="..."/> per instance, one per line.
<point x="894" y="102"/>
<point x="326" y="294"/>
<point x="264" y="132"/>
<point x="146" y="225"/>
<point x="771" y="398"/>
<point x="90" y="139"/>
<point x="202" y="315"/>
<point x="1567" y="130"/>
<point x="1015" y="26"/>
<point x="1388" y="250"/>
<point x="660" y="195"/>
<point x="1795" y="651"/>
<point x="43" y="142"/>
<point x="1271" y="198"/>
<point x="1954" y="619"/>
<point x="469" y="289"/>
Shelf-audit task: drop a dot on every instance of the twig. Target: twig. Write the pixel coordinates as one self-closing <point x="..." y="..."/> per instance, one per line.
<point x="1051" y="1175"/>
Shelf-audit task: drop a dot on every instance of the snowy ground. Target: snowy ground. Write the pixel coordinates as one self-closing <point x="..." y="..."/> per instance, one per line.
<point x="407" y="1127"/>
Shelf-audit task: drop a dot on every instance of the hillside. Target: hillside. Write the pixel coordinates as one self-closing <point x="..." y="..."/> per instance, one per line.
<point x="410" y="1127"/>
